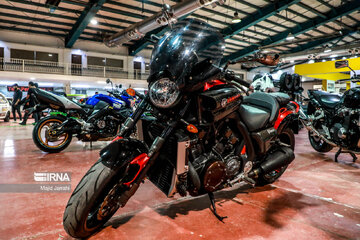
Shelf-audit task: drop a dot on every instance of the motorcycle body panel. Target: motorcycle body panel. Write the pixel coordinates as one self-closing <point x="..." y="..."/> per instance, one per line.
<point x="59" y="102"/>
<point x="113" y="102"/>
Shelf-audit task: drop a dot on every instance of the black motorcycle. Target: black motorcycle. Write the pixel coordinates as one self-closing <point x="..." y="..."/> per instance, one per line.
<point x="203" y="135"/>
<point x="98" y="120"/>
<point x="334" y="120"/>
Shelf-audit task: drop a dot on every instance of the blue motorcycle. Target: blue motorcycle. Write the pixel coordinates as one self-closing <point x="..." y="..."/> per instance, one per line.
<point x="97" y="120"/>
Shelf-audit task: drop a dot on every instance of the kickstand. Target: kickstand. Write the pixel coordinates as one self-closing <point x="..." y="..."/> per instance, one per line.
<point x="340" y="151"/>
<point x="212" y="200"/>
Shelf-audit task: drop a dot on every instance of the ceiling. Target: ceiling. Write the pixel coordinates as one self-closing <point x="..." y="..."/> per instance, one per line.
<point x="265" y="23"/>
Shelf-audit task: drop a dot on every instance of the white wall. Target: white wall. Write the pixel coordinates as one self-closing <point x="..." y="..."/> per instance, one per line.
<point x="35" y="42"/>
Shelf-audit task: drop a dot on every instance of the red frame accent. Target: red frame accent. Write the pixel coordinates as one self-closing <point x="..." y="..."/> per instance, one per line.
<point x="243" y="151"/>
<point x="212" y="83"/>
<point x="140" y="160"/>
<point x="117" y="138"/>
<point x="297" y="106"/>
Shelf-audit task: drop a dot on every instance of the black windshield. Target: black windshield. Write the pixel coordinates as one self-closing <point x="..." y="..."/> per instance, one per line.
<point x="190" y="41"/>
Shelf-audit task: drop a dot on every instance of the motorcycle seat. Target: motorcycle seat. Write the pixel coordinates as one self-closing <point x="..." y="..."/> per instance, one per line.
<point x="86" y="106"/>
<point x="264" y="101"/>
<point x="328" y="100"/>
<point x="282" y="98"/>
<point x="253" y="117"/>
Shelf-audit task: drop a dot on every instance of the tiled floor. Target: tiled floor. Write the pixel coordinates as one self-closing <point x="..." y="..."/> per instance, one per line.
<point x="315" y="199"/>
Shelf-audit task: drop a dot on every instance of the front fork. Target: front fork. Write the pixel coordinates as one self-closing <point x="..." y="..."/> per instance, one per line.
<point x="144" y="161"/>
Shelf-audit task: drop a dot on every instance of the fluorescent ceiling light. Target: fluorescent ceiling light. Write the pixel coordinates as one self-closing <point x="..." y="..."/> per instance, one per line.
<point x="327" y="50"/>
<point x="50" y="55"/>
<point x="32" y="78"/>
<point x="311" y="61"/>
<point x="292" y="61"/>
<point x="80" y="86"/>
<point x="45" y="84"/>
<point x="7" y="83"/>
<point x="93" y="21"/>
<point x="236" y="18"/>
<point x="333" y="56"/>
<point x="290" y="37"/>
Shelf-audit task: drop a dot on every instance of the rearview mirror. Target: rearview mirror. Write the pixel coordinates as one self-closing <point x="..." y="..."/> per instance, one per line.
<point x="342" y="64"/>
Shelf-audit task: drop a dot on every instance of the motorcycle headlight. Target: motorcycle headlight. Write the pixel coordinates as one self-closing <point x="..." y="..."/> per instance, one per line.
<point x="164" y="93"/>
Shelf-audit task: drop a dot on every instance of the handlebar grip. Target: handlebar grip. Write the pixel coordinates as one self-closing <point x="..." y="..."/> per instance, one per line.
<point x="233" y="77"/>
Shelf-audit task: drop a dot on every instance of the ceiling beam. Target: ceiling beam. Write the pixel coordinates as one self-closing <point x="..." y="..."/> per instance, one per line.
<point x="38" y="4"/>
<point x="340" y="11"/>
<point x="19" y="9"/>
<point x="260" y="15"/>
<point x="318" y="42"/>
<point x="87" y="14"/>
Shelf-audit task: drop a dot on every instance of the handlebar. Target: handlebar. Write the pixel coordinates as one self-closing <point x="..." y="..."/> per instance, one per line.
<point x="230" y="75"/>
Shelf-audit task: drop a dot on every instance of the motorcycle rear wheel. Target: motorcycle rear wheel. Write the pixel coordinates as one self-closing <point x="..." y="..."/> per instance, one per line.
<point x="319" y="144"/>
<point x="287" y="137"/>
<point x="43" y="143"/>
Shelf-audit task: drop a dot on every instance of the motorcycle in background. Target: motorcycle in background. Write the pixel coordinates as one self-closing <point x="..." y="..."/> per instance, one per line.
<point x="97" y="120"/>
<point x="333" y="120"/>
<point x="204" y="135"/>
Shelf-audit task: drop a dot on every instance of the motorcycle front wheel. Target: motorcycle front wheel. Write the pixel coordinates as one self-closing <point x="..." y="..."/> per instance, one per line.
<point x="96" y="198"/>
<point x="46" y="140"/>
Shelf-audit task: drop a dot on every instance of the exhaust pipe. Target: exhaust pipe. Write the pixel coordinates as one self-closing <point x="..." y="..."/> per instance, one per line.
<point x="282" y="157"/>
<point x="169" y="14"/>
<point x="306" y="121"/>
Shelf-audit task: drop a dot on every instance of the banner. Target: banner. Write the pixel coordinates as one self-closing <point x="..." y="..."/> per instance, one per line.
<point x="25" y="89"/>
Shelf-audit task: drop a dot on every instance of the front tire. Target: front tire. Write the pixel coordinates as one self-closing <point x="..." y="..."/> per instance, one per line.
<point x="47" y="143"/>
<point x="100" y="192"/>
<point x="7" y="118"/>
<point x="286" y="136"/>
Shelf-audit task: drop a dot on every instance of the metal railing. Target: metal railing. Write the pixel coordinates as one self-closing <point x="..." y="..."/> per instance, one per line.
<point x="35" y="66"/>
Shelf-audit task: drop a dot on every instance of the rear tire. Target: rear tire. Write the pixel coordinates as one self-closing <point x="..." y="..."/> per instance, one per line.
<point x="319" y="144"/>
<point x="43" y="144"/>
<point x="287" y="137"/>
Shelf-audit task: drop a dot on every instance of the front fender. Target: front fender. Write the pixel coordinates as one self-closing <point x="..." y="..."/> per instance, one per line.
<point x="121" y="152"/>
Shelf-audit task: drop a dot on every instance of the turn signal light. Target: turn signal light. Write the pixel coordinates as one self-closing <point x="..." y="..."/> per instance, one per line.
<point x="130" y="91"/>
<point x="191" y="128"/>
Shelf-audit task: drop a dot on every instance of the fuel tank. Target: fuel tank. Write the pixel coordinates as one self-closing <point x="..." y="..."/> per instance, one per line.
<point x="351" y="98"/>
<point x="220" y="98"/>
<point x="219" y="103"/>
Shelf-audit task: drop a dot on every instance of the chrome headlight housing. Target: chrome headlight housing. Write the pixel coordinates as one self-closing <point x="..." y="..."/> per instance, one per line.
<point x="164" y="93"/>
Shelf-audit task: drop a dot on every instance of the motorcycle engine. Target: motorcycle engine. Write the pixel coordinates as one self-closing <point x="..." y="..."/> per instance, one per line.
<point x="221" y="163"/>
<point x="106" y="125"/>
<point x="345" y="131"/>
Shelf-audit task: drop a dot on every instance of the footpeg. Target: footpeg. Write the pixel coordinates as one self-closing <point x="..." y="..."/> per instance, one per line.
<point x="249" y="180"/>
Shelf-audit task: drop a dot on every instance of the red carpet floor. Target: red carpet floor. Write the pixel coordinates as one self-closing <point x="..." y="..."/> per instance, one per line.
<point x="316" y="198"/>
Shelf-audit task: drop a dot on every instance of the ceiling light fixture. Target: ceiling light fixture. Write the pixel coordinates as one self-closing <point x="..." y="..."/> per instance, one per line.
<point x="290" y="37"/>
<point x="327" y="49"/>
<point x="93" y="21"/>
<point x="50" y="55"/>
<point x="236" y="18"/>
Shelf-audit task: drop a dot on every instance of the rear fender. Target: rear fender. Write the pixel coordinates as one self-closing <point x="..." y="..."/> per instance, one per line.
<point x="288" y="116"/>
<point x="121" y="152"/>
